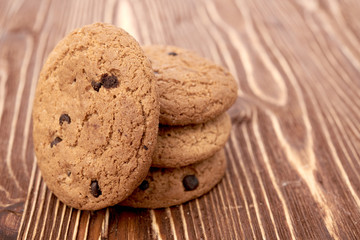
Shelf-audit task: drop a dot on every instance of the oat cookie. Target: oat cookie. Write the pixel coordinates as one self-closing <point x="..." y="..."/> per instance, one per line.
<point x="164" y="187"/>
<point x="192" y="89"/>
<point x="95" y="117"/>
<point x="179" y="146"/>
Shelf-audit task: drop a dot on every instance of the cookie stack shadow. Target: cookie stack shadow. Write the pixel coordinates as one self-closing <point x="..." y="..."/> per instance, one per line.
<point x="189" y="158"/>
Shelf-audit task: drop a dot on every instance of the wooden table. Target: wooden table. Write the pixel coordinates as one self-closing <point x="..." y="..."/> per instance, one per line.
<point x="293" y="155"/>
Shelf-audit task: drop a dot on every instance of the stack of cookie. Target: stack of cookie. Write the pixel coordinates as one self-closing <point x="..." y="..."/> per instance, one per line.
<point x="189" y="159"/>
<point x="96" y="117"/>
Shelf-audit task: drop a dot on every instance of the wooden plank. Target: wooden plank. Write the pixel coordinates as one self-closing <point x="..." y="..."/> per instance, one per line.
<point x="294" y="150"/>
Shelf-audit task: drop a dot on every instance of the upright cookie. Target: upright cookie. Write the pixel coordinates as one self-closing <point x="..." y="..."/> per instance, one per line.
<point x="95" y="117"/>
<point x="179" y="146"/>
<point x="164" y="187"/>
<point x="192" y="89"/>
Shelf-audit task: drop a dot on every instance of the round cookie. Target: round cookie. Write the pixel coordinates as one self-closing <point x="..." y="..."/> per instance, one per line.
<point x="165" y="187"/>
<point x="179" y="146"/>
<point x="95" y="117"/>
<point x="192" y="89"/>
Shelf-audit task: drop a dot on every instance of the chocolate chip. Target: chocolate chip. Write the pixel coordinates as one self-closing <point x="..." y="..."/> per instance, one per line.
<point x="64" y="118"/>
<point x="109" y="81"/>
<point x="56" y="141"/>
<point x="144" y="185"/>
<point x="145" y="147"/>
<point x="190" y="182"/>
<point x="96" y="85"/>
<point x="95" y="189"/>
<point x="172" y="53"/>
<point x="68" y="173"/>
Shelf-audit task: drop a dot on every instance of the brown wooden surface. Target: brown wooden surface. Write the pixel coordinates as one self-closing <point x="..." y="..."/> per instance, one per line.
<point x="293" y="154"/>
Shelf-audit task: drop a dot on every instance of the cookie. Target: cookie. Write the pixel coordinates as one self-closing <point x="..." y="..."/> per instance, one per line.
<point x="192" y="89"/>
<point x="165" y="187"/>
<point x="179" y="146"/>
<point x="95" y="117"/>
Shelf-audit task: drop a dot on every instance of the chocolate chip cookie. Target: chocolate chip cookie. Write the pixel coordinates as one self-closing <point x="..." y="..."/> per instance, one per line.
<point x="95" y="117"/>
<point x="164" y="187"/>
<point x="192" y="89"/>
<point x="183" y="145"/>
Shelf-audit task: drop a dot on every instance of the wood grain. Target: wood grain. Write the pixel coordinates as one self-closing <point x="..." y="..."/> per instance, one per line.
<point x="294" y="149"/>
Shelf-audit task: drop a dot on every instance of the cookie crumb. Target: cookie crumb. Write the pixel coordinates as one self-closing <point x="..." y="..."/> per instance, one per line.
<point x="109" y="81"/>
<point x="64" y="118"/>
<point x="190" y="182"/>
<point x="144" y="185"/>
<point x="95" y="189"/>
<point x="56" y="141"/>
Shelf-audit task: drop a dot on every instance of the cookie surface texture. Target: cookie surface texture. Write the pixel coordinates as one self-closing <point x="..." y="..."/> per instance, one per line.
<point x="164" y="187"/>
<point x="192" y="89"/>
<point x="179" y="146"/>
<point x="95" y="117"/>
